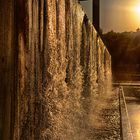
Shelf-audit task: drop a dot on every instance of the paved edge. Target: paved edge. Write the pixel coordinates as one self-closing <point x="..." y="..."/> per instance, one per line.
<point x="125" y="122"/>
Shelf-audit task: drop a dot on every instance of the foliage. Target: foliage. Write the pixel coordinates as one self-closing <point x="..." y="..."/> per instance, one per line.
<point x="124" y="47"/>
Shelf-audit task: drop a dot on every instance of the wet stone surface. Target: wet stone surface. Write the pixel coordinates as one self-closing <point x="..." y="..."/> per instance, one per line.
<point x="109" y="118"/>
<point x="132" y="97"/>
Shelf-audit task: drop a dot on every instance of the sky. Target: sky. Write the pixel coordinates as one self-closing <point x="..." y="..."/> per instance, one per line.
<point x="119" y="15"/>
<point x="87" y="5"/>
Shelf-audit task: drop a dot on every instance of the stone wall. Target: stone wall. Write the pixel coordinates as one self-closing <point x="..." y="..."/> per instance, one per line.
<point x="61" y="71"/>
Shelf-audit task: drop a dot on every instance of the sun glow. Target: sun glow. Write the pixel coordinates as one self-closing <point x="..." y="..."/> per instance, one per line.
<point x="136" y="12"/>
<point x="137" y="9"/>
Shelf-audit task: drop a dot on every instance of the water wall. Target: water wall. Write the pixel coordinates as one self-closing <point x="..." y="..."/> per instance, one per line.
<point x="54" y="70"/>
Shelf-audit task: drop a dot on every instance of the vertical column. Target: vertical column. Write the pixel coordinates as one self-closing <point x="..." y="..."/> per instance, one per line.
<point x="6" y="66"/>
<point x="96" y="14"/>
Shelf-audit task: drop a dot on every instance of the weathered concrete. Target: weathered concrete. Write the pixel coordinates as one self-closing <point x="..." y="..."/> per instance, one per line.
<point x="60" y="69"/>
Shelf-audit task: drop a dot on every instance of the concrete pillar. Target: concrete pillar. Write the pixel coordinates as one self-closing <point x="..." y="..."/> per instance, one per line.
<point x="96" y="14"/>
<point x="6" y="67"/>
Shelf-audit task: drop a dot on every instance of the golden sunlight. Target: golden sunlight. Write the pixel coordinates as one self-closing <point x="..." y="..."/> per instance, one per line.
<point x="136" y="12"/>
<point x="137" y="9"/>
